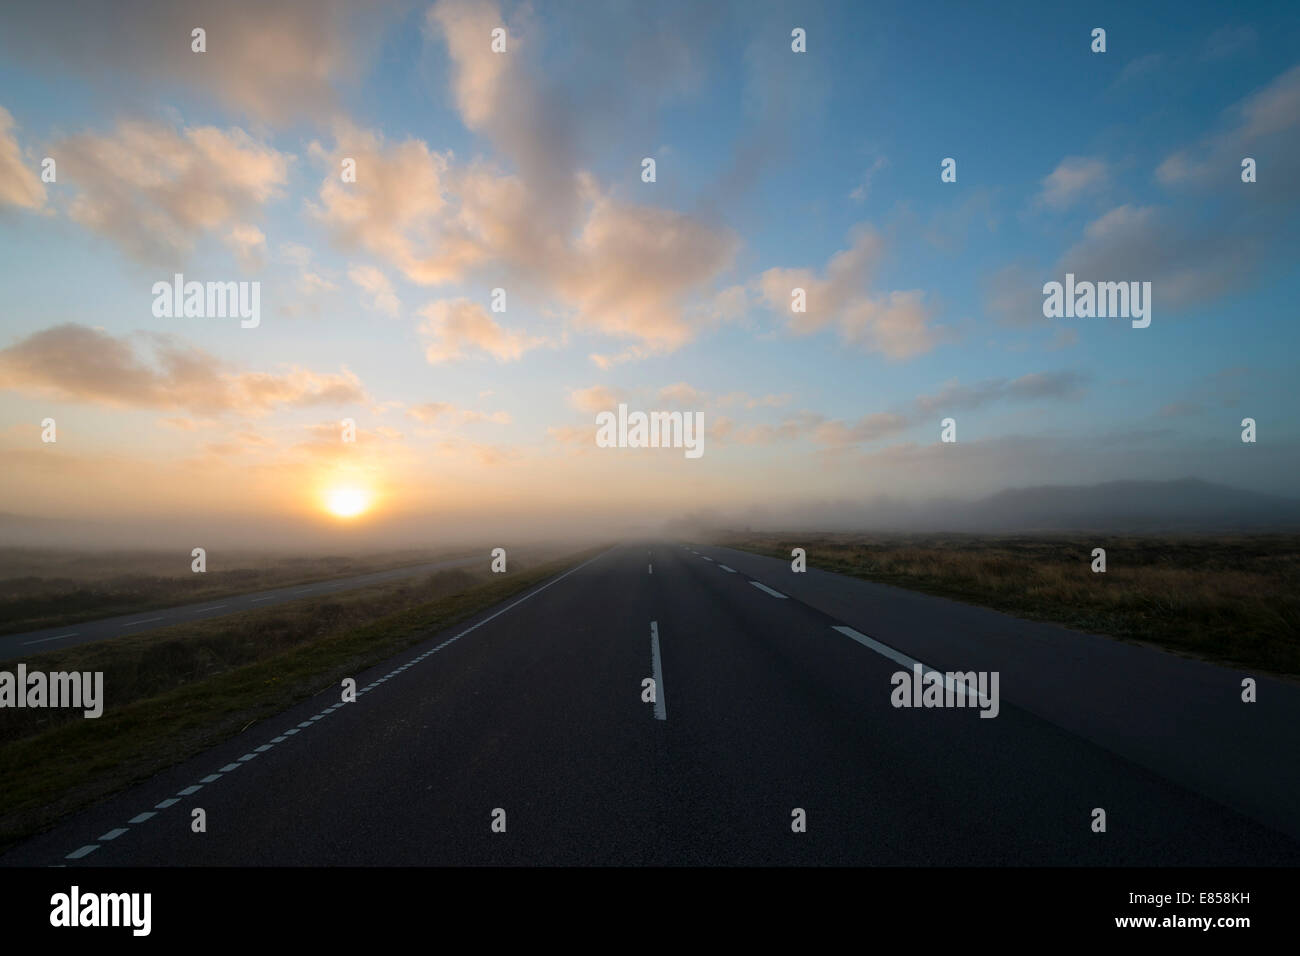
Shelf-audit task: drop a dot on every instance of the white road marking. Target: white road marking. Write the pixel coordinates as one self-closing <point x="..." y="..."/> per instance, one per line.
<point x="300" y="590"/>
<point x="141" y="817"/>
<point x="909" y="662"/>
<point x="229" y="767"/>
<point x="78" y="854"/>
<point x="661" y="709"/>
<point x="262" y="749"/>
<point x="189" y="790"/>
<point x="652" y="569"/>
<point x="706" y="557"/>
<point x="147" y="620"/>
<point x="271" y="598"/>
<point x="727" y="569"/>
<point x="57" y="637"/>
<point x="166" y="803"/>
<point x="112" y="834"/>
<point x="764" y="587"/>
<point x="211" y="778"/>
<point x="247" y="757"/>
<point x="213" y="608"/>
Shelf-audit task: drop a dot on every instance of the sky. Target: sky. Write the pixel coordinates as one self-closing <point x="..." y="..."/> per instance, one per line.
<point x="523" y="170"/>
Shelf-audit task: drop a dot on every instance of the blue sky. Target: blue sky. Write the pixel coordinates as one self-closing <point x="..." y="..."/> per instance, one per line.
<point x="522" y="170"/>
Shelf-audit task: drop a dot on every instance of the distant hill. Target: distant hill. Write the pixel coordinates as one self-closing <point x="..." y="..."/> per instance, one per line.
<point x="1187" y="504"/>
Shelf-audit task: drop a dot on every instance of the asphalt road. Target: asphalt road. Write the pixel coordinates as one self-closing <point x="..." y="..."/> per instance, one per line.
<point x="13" y="646"/>
<point x="770" y="699"/>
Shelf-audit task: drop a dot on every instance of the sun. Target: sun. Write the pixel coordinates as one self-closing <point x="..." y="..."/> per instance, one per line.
<point x="347" y="502"/>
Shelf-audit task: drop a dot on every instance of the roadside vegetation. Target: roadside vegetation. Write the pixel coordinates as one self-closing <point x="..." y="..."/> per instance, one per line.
<point x="43" y="587"/>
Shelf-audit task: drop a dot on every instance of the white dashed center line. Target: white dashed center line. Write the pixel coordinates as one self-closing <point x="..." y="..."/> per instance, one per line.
<point x="57" y="637"/>
<point x="764" y="588"/>
<point x="147" y="620"/>
<point x="661" y="709"/>
<point x="899" y="657"/>
<point x="727" y="569"/>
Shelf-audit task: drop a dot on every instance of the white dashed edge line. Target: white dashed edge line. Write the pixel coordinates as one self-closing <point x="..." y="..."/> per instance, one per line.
<point x="89" y="848"/>
<point x="966" y="690"/>
<point x="764" y="588"/>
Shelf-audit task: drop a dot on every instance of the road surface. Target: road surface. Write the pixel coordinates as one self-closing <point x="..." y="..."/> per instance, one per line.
<point x="773" y="697"/>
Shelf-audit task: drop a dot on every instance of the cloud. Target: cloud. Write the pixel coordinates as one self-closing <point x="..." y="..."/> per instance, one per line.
<point x="1073" y="178"/>
<point x="617" y="268"/>
<point x="1188" y="262"/>
<point x="1037" y="385"/>
<point x="1229" y="41"/>
<point x="632" y="268"/>
<point x="579" y="437"/>
<point x="751" y="401"/>
<point x="1264" y="125"/>
<point x="433" y="413"/>
<point x="1141" y="66"/>
<point x="859" y="192"/>
<point x="75" y="363"/>
<point x="275" y="60"/>
<point x="310" y="281"/>
<point x="19" y="184"/>
<point x="868" y="428"/>
<point x="248" y="243"/>
<point x="395" y="209"/>
<point x="628" y="271"/>
<point x="1014" y="294"/>
<point x="597" y="398"/>
<point x="897" y="324"/>
<point x="835" y="433"/>
<point x="154" y="190"/>
<point x="792" y="428"/>
<point x="455" y="327"/>
<point x="382" y="298"/>
<point x="682" y="394"/>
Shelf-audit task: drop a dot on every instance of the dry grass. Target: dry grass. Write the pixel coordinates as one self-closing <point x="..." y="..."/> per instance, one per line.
<point x="1229" y="598"/>
<point x="41" y="587"/>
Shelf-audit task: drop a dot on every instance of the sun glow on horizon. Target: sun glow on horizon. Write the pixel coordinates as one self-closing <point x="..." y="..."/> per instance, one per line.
<point x="347" y="502"/>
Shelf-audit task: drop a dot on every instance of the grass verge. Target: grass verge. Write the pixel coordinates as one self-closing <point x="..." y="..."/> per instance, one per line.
<point x="52" y="588"/>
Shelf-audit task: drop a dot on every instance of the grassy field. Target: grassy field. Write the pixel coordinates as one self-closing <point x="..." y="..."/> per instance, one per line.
<point x="1228" y="598"/>
<point x="42" y="587"/>
<point x="177" y="691"/>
